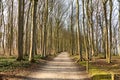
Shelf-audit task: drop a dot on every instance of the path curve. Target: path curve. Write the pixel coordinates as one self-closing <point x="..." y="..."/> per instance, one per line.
<point x="60" y="68"/>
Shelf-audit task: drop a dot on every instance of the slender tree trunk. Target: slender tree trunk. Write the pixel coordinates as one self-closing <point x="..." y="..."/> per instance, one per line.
<point x="45" y="29"/>
<point x="85" y="43"/>
<point x="3" y="23"/>
<point x="78" y="31"/>
<point x="119" y="22"/>
<point x="27" y="32"/>
<point x="34" y="26"/>
<point x="11" y="30"/>
<point x="106" y="32"/>
<point x="72" y="31"/>
<point x="92" y="27"/>
<point x="110" y="29"/>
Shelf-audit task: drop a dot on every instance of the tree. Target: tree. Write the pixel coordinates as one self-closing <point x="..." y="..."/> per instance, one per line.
<point x="11" y="29"/>
<point x="0" y="5"/>
<point x="106" y="30"/>
<point x="45" y="28"/>
<point x="92" y="27"/>
<point x="34" y="26"/>
<point x="78" y="31"/>
<point x="84" y="33"/>
<point x="72" y="31"/>
<point x="119" y="13"/>
<point x="87" y="36"/>
<point x="20" y="29"/>
<point x="110" y="29"/>
<point x="119" y="19"/>
<point x="27" y="30"/>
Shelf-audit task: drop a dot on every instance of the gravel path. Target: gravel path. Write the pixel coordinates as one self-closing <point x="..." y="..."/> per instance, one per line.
<point x="60" y="68"/>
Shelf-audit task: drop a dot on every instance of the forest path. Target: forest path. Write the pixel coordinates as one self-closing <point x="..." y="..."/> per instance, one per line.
<point x="61" y="67"/>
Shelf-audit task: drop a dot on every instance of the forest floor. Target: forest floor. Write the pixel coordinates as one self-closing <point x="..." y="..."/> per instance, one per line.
<point x="99" y="69"/>
<point x="10" y="69"/>
<point x="61" y="67"/>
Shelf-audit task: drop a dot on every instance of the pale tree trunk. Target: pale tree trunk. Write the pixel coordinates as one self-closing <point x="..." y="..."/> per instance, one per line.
<point x="119" y="22"/>
<point x="78" y="30"/>
<point x="106" y="30"/>
<point x="20" y="29"/>
<point x="90" y="34"/>
<point x="1" y="12"/>
<point x="92" y="27"/>
<point x="72" y="31"/>
<point x="96" y="32"/>
<point x="27" y="32"/>
<point x="34" y="26"/>
<point x="51" y="27"/>
<point x="85" y="41"/>
<point x="2" y="23"/>
<point x="119" y="13"/>
<point x="45" y="29"/>
<point x="11" y="30"/>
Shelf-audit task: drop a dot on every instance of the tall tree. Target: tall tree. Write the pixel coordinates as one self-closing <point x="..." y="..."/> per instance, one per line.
<point x="72" y="30"/>
<point x="78" y="30"/>
<point x="92" y="27"/>
<point x="11" y="29"/>
<point x="119" y="13"/>
<point x="27" y="31"/>
<point x="119" y="20"/>
<point x="45" y="28"/>
<point x="110" y="30"/>
<point x="106" y="30"/>
<point x="87" y="43"/>
<point x="34" y="26"/>
<point x="84" y="33"/>
<point x="20" y="29"/>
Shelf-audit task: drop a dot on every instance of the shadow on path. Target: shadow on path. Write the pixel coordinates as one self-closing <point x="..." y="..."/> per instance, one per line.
<point x="60" y="68"/>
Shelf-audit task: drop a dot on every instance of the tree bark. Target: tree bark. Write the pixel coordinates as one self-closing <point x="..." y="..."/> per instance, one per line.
<point x="78" y="31"/>
<point x="34" y="26"/>
<point x="110" y="29"/>
<point x="20" y="29"/>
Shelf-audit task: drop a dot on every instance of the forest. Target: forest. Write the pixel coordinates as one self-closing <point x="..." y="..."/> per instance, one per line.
<point x="38" y="33"/>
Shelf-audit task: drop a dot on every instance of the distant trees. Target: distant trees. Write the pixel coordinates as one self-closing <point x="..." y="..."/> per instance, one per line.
<point x="98" y="31"/>
<point x="49" y="26"/>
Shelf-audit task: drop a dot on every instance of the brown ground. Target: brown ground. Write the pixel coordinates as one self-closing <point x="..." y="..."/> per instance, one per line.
<point x="60" y="68"/>
<point x="114" y="66"/>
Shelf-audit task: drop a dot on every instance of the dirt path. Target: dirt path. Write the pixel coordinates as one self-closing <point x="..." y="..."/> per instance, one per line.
<point x="60" y="68"/>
